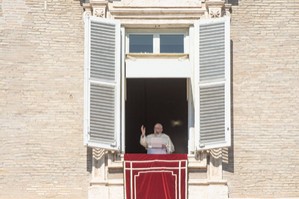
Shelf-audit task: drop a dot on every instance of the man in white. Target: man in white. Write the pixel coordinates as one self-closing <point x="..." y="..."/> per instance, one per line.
<point x="157" y="142"/>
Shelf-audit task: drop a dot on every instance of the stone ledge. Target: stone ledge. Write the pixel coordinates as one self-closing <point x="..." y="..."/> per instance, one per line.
<point x="116" y="164"/>
<point x="134" y="56"/>
<point x="158" y="3"/>
<point x="194" y="162"/>
<point x="155" y="11"/>
<point x="206" y="182"/>
<point x="197" y="161"/>
<point x="114" y="182"/>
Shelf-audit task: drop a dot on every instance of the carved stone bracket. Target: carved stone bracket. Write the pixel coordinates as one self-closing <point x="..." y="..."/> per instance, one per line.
<point x="217" y="8"/>
<point x="87" y="9"/>
<point x="215" y="164"/>
<point x="216" y="153"/>
<point x="227" y="9"/>
<point x="98" y="163"/>
<point x="215" y="13"/>
<point x="99" y="12"/>
<point x="102" y="159"/>
<point x="98" y="153"/>
<point x="99" y="8"/>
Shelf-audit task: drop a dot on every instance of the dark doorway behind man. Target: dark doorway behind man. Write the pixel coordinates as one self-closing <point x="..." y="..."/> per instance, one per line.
<point x="152" y="100"/>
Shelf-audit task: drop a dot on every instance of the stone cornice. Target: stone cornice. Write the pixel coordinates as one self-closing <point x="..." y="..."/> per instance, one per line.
<point x="156" y="13"/>
<point x="142" y="15"/>
<point x="151" y="11"/>
<point x="217" y="8"/>
<point x="136" y="16"/>
<point x="215" y="3"/>
<point x="146" y="14"/>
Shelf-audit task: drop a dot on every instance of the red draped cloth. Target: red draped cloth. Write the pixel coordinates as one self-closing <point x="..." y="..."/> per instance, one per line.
<point x="155" y="176"/>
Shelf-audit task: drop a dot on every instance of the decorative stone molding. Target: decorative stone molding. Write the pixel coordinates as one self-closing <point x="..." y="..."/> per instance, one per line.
<point x="87" y="9"/>
<point x="99" y="12"/>
<point x="158" y="15"/>
<point x="217" y="8"/>
<point x="137" y="13"/>
<point x="216" y="153"/>
<point x="198" y="160"/>
<point x="98" y="153"/>
<point x="215" y="13"/>
<point x="141" y="14"/>
<point x="215" y="164"/>
<point x="227" y="9"/>
<point x="99" y="8"/>
<point x="102" y="162"/>
<point x="98" y="164"/>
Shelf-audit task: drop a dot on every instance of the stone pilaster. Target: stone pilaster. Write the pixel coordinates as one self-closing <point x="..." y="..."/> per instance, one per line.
<point x="87" y="9"/>
<point x="98" y="164"/>
<point x="215" y="165"/>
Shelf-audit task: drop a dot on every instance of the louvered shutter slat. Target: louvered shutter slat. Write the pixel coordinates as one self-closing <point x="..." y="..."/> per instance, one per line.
<point x="102" y="51"/>
<point x="102" y="113"/>
<point x="212" y="107"/>
<point x="211" y="51"/>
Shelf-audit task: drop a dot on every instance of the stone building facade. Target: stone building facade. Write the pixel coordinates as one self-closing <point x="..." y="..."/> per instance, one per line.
<point x="42" y="100"/>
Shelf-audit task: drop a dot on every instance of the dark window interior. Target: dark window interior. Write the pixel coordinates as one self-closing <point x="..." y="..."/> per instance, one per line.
<point x="151" y="100"/>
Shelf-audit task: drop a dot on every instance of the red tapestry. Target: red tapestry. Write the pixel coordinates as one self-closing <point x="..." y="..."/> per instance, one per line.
<point x="155" y="176"/>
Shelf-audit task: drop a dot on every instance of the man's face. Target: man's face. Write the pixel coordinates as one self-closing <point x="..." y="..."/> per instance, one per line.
<point x="158" y="129"/>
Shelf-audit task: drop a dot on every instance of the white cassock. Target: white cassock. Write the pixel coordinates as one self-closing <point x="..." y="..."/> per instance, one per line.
<point x="153" y="143"/>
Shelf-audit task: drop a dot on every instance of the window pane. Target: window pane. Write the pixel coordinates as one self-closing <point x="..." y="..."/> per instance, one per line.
<point x="141" y="43"/>
<point x="171" y="43"/>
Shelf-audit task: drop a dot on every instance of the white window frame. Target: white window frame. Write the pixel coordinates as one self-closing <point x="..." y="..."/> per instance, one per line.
<point x="156" y="37"/>
<point x="190" y="47"/>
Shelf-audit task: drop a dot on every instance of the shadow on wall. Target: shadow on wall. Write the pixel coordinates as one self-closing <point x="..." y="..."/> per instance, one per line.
<point x="89" y="159"/>
<point x="228" y="153"/>
<point x="84" y="1"/>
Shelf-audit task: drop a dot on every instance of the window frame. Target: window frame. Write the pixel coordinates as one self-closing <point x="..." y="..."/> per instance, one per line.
<point x="120" y="51"/>
<point x="156" y="38"/>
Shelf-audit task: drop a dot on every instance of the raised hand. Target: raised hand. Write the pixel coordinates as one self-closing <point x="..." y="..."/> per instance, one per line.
<point x="142" y="130"/>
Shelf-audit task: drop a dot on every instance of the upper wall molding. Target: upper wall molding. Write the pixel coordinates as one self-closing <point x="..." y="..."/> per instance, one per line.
<point x="144" y="13"/>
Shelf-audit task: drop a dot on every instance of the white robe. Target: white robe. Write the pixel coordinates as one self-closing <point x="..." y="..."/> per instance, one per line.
<point x="153" y="143"/>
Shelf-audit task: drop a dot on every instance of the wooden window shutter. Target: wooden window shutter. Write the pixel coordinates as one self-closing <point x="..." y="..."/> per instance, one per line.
<point x="212" y="83"/>
<point x="102" y="83"/>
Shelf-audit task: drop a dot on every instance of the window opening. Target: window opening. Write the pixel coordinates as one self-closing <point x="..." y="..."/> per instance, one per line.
<point x="141" y="43"/>
<point x="155" y="100"/>
<point x="157" y="42"/>
<point x="171" y="43"/>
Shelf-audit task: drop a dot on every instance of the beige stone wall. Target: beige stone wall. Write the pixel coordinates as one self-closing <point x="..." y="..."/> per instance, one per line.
<point x="265" y="160"/>
<point x="41" y="100"/>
